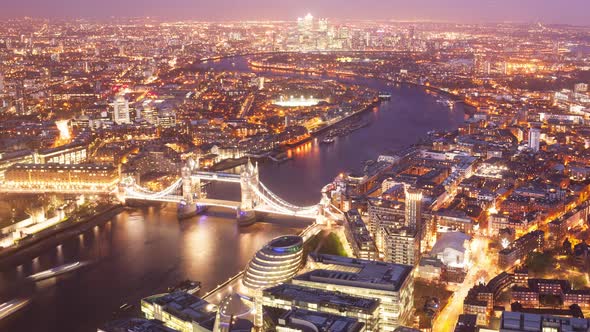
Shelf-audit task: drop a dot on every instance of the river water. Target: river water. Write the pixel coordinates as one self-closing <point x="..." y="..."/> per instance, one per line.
<point x="142" y="251"/>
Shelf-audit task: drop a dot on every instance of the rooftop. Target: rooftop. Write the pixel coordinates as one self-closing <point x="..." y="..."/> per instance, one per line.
<point x="355" y="272"/>
<point x="88" y="167"/>
<point x="516" y="321"/>
<point x="300" y="319"/>
<point x="454" y="240"/>
<point x="184" y="306"/>
<point x="335" y="299"/>
<point x="135" y="325"/>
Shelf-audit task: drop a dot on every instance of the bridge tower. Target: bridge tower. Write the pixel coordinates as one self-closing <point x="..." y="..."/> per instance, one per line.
<point x="248" y="182"/>
<point x="192" y="192"/>
<point x="187" y="185"/>
<point x="324" y="205"/>
<point x="193" y="165"/>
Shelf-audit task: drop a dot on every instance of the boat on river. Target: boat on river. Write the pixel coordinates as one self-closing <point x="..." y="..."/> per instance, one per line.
<point x="56" y="271"/>
<point x="188" y="286"/>
<point x="328" y="140"/>
<point x="12" y="306"/>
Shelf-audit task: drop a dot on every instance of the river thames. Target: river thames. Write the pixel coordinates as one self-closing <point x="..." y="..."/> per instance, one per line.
<point x="142" y="251"/>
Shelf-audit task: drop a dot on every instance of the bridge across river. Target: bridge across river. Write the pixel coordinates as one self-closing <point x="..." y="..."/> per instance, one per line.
<point x="255" y="196"/>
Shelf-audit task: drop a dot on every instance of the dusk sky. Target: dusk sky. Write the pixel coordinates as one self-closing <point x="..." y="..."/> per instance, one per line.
<point x="547" y="11"/>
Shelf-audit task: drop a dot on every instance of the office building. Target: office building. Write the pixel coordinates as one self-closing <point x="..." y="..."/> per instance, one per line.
<point x="75" y="153"/>
<point x="525" y="322"/>
<point x="413" y="207"/>
<point x="397" y="228"/>
<point x="384" y="214"/>
<point x="276" y="262"/>
<point x="148" y="112"/>
<point x="391" y="284"/>
<point x="166" y="118"/>
<point x="300" y="320"/>
<point x="581" y="87"/>
<point x="534" y="138"/>
<point x="289" y="296"/>
<point x="358" y="236"/>
<point x="135" y="325"/>
<point x="8" y="159"/>
<point x="121" y="113"/>
<point x="93" y="177"/>
<point x="180" y="311"/>
<point x="402" y="245"/>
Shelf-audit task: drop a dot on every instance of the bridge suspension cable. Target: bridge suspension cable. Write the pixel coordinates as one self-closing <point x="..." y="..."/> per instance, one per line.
<point x="280" y="201"/>
<point x="141" y="192"/>
<point x="277" y="203"/>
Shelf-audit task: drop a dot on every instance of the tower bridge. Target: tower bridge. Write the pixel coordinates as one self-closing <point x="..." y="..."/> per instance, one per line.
<point x="255" y="196"/>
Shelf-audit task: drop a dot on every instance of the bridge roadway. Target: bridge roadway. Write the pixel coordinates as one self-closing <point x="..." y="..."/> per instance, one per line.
<point x="218" y="203"/>
<point x="222" y="177"/>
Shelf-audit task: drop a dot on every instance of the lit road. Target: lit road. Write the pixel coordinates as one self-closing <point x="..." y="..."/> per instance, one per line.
<point x="483" y="265"/>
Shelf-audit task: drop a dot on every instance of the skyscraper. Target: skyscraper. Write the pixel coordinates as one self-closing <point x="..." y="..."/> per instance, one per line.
<point x="308" y="23"/>
<point x="413" y="207"/>
<point x="121" y="110"/>
<point x="534" y="138"/>
<point x="323" y="25"/>
<point x="261" y="83"/>
<point x="305" y="24"/>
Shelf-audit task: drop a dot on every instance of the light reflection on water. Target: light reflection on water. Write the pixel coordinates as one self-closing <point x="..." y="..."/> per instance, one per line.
<point x="140" y="253"/>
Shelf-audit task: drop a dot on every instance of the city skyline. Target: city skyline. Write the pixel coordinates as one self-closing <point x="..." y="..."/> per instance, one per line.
<point x="459" y="11"/>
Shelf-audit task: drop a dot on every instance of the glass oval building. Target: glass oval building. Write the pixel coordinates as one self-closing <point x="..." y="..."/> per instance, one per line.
<point x="277" y="262"/>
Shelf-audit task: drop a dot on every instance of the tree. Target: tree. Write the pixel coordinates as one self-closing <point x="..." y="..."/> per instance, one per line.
<point x="567" y="247"/>
<point x="538" y="262"/>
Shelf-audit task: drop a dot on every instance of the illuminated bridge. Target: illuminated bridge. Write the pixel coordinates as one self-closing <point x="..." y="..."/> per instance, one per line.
<point x="255" y="196"/>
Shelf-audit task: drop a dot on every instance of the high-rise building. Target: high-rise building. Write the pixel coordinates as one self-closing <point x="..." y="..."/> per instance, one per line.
<point x="308" y="22"/>
<point x="305" y="24"/>
<point x="363" y="245"/>
<point x="534" y="138"/>
<point x="323" y="25"/>
<point x="261" y="83"/>
<point x="397" y="227"/>
<point x="148" y="112"/>
<point x="384" y="214"/>
<point x="166" y="118"/>
<point x="402" y="245"/>
<point x="121" y="110"/>
<point x="1" y="83"/>
<point x="413" y="209"/>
